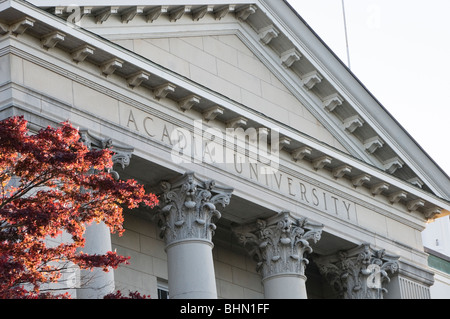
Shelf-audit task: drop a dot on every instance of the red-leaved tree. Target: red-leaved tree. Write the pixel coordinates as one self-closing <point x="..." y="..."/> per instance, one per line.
<point x="51" y="183"/>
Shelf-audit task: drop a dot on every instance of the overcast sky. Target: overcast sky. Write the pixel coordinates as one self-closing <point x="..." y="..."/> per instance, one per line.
<point x="400" y="50"/>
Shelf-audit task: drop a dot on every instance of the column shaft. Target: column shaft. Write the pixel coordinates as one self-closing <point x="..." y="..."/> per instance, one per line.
<point x="97" y="283"/>
<point x="191" y="271"/>
<point x="285" y="286"/>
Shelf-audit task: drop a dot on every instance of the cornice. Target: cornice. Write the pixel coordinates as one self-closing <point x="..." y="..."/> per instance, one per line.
<point x="354" y="140"/>
<point x="38" y="24"/>
<point x="362" y="100"/>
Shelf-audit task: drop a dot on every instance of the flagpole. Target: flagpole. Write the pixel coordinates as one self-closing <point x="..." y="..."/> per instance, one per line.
<point x="346" y="34"/>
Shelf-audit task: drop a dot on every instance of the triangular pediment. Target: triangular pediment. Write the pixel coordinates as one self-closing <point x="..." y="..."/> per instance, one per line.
<point x="351" y="135"/>
<point x="245" y="52"/>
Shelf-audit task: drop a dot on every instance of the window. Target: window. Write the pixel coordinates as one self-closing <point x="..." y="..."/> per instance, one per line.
<point x="163" y="289"/>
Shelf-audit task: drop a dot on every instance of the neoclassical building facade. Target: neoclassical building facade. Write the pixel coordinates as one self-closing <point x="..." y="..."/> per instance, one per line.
<point x="279" y="174"/>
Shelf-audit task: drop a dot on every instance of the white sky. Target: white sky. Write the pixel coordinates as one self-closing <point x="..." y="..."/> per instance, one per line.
<point x="400" y="50"/>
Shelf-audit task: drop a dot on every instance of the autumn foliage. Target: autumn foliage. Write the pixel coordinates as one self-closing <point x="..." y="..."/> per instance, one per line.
<point x="51" y="183"/>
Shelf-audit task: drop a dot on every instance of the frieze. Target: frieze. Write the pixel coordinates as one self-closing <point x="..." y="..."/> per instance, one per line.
<point x="248" y="167"/>
<point x="261" y="170"/>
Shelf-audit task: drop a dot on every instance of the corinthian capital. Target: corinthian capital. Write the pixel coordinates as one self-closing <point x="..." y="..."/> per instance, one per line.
<point x="121" y="154"/>
<point x="188" y="208"/>
<point x="358" y="273"/>
<point x="279" y="244"/>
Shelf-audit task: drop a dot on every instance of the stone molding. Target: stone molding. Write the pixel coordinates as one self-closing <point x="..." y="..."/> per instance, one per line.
<point x="188" y="211"/>
<point x="359" y="273"/>
<point x="279" y="244"/>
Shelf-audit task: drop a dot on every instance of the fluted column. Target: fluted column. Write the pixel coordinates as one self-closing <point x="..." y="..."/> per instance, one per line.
<point x="359" y="273"/>
<point x="187" y="221"/>
<point x="279" y="246"/>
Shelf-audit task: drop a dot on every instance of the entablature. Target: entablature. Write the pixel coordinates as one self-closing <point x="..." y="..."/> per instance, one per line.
<point x="82" y="46"/>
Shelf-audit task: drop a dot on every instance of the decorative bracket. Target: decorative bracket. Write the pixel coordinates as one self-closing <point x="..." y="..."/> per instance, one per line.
<point x="237" y="122"/>
<point x="398" y="196"/>
<point x="105" y="14"/>
<point x="321" y="162"/>
<point x="223" y="11"/>
<point x="372" y="144"/>
<point x="163" y="90"/>
<point x="340" y="171"/>
<point x="289" y="57"/>
<point x="415" y="204"/>
<point x="311" y="79"/>
<point x="4" y="29"/>
<point x="211" y="113"/>
<point x="51" y="40"/>
<point x="416" y="182"/>
<point x="155" y="13"/>
<point x="393" y="164"/>
<point x="80" y="54"/>
<point x="332" y="101"/>
<point x="111" y="66"/>
<point x="360" y="180"/>
<point x="131" y="13"/>
<point x="176" y="14"/>
<point x="379" y="188"/>
<point x="432" y="212"/>
<point x="267" y="34"/>
<point x="301" y="152"/>
<point x="352" y="123"/>
<point x="243" y="13"/>
<point x="136" y="79"/>
<point x="20" y="27"/>
<point x="284" y="142"/>
<point x="200" y="13"/>
<point x="188" y="102"/>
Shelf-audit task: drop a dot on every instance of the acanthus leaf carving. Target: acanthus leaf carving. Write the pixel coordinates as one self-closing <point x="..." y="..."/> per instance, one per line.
<point x="121" y="154"/>
<point x="188" y="208"/>
<point x="279" y="244"/>
<point x="359" y="273"/>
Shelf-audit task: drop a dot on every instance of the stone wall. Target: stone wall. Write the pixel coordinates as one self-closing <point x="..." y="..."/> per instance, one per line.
<point x="236" y="275"/>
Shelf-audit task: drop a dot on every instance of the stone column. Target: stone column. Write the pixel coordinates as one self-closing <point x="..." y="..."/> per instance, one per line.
<point x="186" y="219"/>
<point x="359" y="273"/>
<point x="98" y="283"/>
<point x="279" y="246"/>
